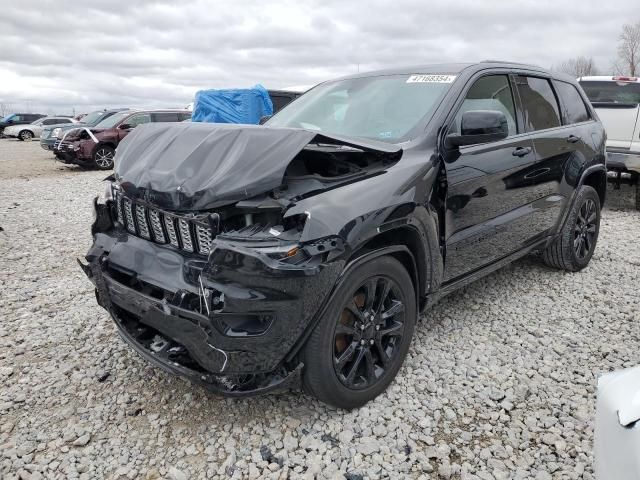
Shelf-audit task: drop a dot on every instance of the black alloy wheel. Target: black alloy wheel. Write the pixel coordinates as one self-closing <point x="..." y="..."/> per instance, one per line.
<point x="585" y="229"/>
<point x="368" y="333"/>
<point x="363" y="335"/>
<point x="573" y="246"/>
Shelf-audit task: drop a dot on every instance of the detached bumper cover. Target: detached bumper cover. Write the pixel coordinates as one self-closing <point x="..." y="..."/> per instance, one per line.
<point x="159" y="309"/>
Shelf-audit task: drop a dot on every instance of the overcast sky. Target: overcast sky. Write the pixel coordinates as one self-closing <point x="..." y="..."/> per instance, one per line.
<point x="55" y="55"/>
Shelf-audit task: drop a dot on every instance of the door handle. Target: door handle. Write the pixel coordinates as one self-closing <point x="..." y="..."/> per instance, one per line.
<point x="573" y="139"/>
<point x="521" y="151"/>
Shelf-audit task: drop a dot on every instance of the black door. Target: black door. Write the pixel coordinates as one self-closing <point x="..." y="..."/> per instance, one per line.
<point x="492" y="205"/>
<point x="579" y="138"/>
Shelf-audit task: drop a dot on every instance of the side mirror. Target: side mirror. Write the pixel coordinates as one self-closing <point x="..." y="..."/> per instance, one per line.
<point x="126" y="126"/>
<point x="264" y="119"/>
<point x="480" y="126"/>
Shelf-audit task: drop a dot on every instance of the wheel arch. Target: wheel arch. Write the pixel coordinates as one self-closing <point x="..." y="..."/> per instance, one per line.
<point x="594" y="175"/>
<point x="405" y="245"/>
<point x="399" y="252"/>
<point x="107" y="143"/>
<point x="596" y="178"/>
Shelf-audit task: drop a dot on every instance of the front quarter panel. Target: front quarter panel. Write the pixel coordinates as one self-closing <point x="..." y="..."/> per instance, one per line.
<point x="395" y="199"/>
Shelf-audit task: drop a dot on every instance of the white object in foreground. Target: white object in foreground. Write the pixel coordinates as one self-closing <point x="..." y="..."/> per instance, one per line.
<point x="617" y="430"/>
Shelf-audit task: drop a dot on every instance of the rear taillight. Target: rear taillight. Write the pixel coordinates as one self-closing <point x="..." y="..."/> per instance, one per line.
<point x="625" y="79"/>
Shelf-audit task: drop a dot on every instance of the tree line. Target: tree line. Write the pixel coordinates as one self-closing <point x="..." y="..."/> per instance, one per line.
<point x="626" y="63"/>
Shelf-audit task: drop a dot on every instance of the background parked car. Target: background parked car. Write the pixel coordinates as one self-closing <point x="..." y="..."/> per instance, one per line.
<point x="617" y="102"/>
<point x="95" y="147"/>
<point x="281" y="98"/>
<point x="51" y="134"/>
<point x="34" y="129"/>
<point x="18" y="119"/>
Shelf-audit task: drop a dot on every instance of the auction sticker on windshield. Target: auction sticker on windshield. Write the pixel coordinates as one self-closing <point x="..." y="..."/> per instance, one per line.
<point x="431" y="78"/>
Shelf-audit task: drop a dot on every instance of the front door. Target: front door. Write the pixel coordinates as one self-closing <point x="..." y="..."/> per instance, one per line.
<point x="491" y="206"/>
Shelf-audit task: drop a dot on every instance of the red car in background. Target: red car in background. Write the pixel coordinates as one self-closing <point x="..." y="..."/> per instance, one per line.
<point x="94" y="147"/>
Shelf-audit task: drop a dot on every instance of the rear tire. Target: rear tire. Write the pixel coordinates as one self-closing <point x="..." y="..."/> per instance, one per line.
<point x="360" y="342"/>
<point x="573" y="248"/>
<point x="25" y="135"/>
<point x="103" y="157"/>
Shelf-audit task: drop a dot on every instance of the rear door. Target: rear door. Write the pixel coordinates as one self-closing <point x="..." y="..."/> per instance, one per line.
<point x="580" y="135"/>
<point x="555" y="145"/>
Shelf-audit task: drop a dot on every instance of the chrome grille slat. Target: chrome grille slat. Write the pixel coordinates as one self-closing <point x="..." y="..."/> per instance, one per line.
<point x="203" y="235"/>
<point x="185" y="233"/>
<point x="141" y="217"/>
<point x="156" y="226"/>
<point x="171" y="230"/>
<point x="118" y="198"/>
<point x="128" y="213"/>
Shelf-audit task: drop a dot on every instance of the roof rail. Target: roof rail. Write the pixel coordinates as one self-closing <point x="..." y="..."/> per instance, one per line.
<point x="505" y="61"/>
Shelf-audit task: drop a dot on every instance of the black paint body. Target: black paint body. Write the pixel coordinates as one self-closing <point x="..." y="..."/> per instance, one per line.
<point x="451" y="215"/>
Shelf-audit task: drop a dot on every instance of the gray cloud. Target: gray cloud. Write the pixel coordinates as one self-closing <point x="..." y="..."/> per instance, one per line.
<point x="62" y="54"/>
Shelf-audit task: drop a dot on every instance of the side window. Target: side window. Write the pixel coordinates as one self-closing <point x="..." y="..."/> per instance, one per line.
<point x="184" y="116"/>
<point x="165" y="117"/>
<point x="138" y="119"/>
<point x="573" y="106"/>
<point x="489" y="93"/>
<point x="50" y="121"/>
<point x="539" y="104"/>
<point x="63" y="120"/>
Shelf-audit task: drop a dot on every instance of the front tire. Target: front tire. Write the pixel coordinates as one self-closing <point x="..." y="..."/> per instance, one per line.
<point x="573" y="248"/>
<point x="103" y="157"/>
<point x="25" y="135"/>
<point x="360" y="342"/>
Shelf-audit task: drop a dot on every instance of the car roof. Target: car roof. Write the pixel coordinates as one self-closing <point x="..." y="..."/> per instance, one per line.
<point x="456" y="68"/>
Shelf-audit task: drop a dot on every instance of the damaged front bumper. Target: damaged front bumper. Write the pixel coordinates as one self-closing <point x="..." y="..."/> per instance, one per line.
<point x="229" y="321"/>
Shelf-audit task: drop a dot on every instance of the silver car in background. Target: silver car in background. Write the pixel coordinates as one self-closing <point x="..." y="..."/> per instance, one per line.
<point x="33" y="130"/>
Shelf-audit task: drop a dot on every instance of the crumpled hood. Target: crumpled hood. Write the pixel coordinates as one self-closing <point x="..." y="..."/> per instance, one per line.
<point x="199" y="166"/>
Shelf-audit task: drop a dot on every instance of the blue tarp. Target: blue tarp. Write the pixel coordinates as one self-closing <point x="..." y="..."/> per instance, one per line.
<point x="234" y="105"/>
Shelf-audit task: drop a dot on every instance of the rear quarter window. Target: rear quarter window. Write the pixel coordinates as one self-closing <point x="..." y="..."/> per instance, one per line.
<point x="573" y="108"/>
<point x="165" y="117"/>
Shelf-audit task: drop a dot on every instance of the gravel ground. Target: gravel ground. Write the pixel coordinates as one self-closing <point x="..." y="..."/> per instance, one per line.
<point x="499" y="382"/>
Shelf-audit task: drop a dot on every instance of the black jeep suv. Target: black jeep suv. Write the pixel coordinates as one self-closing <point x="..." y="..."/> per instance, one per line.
<point x="252" y="258"/>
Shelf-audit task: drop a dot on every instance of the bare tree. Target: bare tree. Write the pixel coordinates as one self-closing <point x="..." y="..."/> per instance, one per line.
<point x="629" y="50"/>
<point x="577" y="67"/>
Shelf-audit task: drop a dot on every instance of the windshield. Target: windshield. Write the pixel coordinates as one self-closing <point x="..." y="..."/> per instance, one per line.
<point x="113" y="120"/>
<point x="8" y="117"/>
<point x="38" y="121"/>
<point x="612" y="92"/>
<point x="386" y="108"/>
<point x="93" y="118"/>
